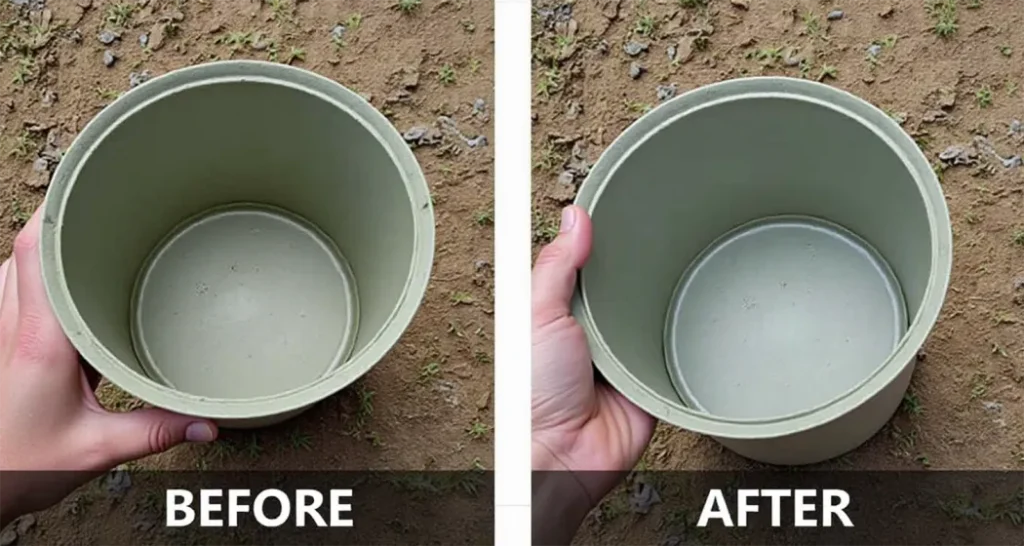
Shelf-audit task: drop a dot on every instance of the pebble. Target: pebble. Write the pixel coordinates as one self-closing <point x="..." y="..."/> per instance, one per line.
<point x="635" y="70"/>
<point x="1015" y="127"/>
<point x="958" y="155"/>
<point x="567" y="178"/>
<point x="874" y="50"/>
<point x="574" y="110"/>
<point x="41" y="165"/>
<point x="25" y="523"/>
<point x="643" y="497"/>
<point x="109" y="58"/>
<point x="414" y="134"/>
<point x="479" y="141"/>
<point x="8" y="537"/>
<point x="136" y="79"/>
<point x="1012" y="162"/>
<point x="107" y="37"/>
<point x="741" y="4"/>
<point x="634" y="48"/>
<point x="143" y="39"/>
<point x="338" y="33"/>
<point x="118" y="482"/>
<point x="479" y="106"/>
<point x="671" y="51"/>
<point x="666" y="92"/>
<point x="835" y="15"/>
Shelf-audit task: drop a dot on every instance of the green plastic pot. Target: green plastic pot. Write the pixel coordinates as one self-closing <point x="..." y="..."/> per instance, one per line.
<point x="237" y="240"/>
<point x="769" y="256"/>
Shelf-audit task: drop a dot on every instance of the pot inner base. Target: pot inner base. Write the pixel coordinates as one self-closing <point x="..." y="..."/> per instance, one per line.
<point x="243" y="301"/>
<point x="780" y="316"/>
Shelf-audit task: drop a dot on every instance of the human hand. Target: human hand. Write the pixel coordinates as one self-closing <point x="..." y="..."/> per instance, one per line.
<point x="578" y="424"/>
<point x="49" y="416"/>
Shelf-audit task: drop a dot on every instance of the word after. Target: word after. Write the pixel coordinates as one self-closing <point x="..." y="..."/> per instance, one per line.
<point x="805" y="510"/>
<point x="214" y="504"/>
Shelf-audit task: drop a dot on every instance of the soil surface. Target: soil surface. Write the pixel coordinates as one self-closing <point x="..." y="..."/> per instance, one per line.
<point x="950" y="71"/>
<point x="428" y="404"/>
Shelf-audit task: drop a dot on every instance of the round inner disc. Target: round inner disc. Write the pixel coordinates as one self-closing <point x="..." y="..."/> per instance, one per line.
<point x="780" y="316"/>
<point x="241" y="302"/>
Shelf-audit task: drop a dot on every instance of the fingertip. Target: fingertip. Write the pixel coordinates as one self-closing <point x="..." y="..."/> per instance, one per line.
<point x="201" y="432"/>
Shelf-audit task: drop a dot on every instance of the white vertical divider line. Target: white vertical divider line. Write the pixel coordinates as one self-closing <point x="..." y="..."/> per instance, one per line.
<point x="512" y="272"/>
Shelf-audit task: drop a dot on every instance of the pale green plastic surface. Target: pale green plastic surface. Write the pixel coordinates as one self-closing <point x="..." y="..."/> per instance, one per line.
<point x="741" y="151"/>
<point x="342" y="187"/>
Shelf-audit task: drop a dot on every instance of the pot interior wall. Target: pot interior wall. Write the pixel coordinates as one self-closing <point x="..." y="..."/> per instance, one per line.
<point x="723" y="166"/>
<point x="224" y="143"/>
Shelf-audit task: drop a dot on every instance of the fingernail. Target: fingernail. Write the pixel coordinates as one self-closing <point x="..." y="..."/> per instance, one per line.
<point x="568" y="219"/>
<point x="199" y="432"/>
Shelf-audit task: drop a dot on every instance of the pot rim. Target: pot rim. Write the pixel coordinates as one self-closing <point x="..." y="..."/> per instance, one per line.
<point x="341" y="374"/>
<point x="905" y="352"/>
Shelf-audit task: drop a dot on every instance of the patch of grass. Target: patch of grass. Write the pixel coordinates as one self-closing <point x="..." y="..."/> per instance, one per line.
<point x="972" y="218"/>
<point x="407" y="6"/>
<point x="430" y="370"/>
<point x="236" y="40"/>
<point x="252" y="448"/>
<point x="827" y="71"/>
<point x="477" y="465"/>
<point x="484" y="217"/>
<point x="911" y="404"/>
<point x="1018" y="238"/>
<point x="888" y="41"/>
<point x="120" y="13"/>
<point x="646" y="26"/>
<point x="353" y="22"/>
<point x="693" y="3"/>
<point x="544" y="229"/>
<point x="1010" y="509"/>
<point x="295" y="54"/>
<point x="979" y="385"/>
<point x="767" y="55"/>
<point x="482" y="358"/>
<point x="944" y="12"/>
<point x="638" y="107"/>
<point x="983" y="97"/>
<point x="812" y="24"/>
<point x="549" y="159"/>
<point x="280" y="10"/>
<point x="468" y="26"/>
<point x="462" y="298"/>
<point x="478" y="430"/>
<point x="19" y="216"/>
<point x="365" y="410"/>
<point x="474" y="65"/>
<point x="550" y="82"/>
<point x="1006" y="51"/>
<point x="25" y="145"/>
<point x="25" y="71"/>
<point x="446" y="75"/>
<point x="298" y="440"/>
<point x="974" y="4"/>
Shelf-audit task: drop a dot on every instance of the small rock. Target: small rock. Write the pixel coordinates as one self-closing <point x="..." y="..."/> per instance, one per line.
<point x="634" y="48"/>
<point x="478" y="141"/>
<point x="41" y="165"/>
<point x="484" y="400"/>
<point x="1012" y="162"/>
<point x="410" y="78"/>
<point x="84" y="4"/>
<point x="25" y="523"/>
<point x="260" y="42"/>
<point x="479" y="106"/>
<point x="117" y="482"/>
<point x="684" y="51"/>
<point x="643" y="497"/>
<point x="741" y="4"/>
<point x="958" y="155"/>
<point x="338" y="33"/>
<point x="666" y="92"/>
<point x="136" y="79"/>
<point x="635" y="69"/>
<point x="934" y="116"/>
<point x="76" y="36"/>
<point x="835" y="15"/>
<point x="49" y="97"/>
<point x="1015" y="127"/>
<point x="887" y="12"/>
<point x="157" y="35"/>
<point x="900" y="117"/>
<point x="672" y="50"/>
<point x="176" y="16"/>
<point x="992" y="406"/>
<point x="109" y="58"/>
<point x="107" y="37"/>
<point x="946" y="98"/>
<point x="602" y="46"/>
<point x="564" y="189"/>
<point x="874" y="50"/>
<point x="144" y="39"/>
<point x="791" y="56"/>
<point x="414" y="134"/>
<point x="574" y="110"/>
<point x="8" y="537"/>
<point x="481" y="265"/>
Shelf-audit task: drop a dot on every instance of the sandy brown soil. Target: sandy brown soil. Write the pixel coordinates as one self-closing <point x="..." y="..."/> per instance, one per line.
<point x="428" y="404"/>
<point x="965" y="408"/>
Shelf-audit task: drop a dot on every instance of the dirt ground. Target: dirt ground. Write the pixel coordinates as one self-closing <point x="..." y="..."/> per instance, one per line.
<point x="965" y="407"/>
<point x="415" y="61"/>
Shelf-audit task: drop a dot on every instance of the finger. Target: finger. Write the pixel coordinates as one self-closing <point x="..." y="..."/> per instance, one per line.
<point x="9" y="304"/>
<point x="39" y="334"/>
<point x="123" y="437"/>
<point x="554" y="273"/>
<point x="3" y="277"/>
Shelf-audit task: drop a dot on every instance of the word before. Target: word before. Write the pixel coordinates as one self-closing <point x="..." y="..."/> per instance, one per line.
<point x="308" y="503"/>
<point x="834" y="502"/>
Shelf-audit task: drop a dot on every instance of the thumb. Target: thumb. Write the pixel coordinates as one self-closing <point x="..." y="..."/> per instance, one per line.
<point x="554" y="273"/>
<point x="143" y="432"/>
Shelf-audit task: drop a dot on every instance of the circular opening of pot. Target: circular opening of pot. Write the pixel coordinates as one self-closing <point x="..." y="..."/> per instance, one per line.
<point x="237" y="232"/>
<point x="757" y="256"/>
